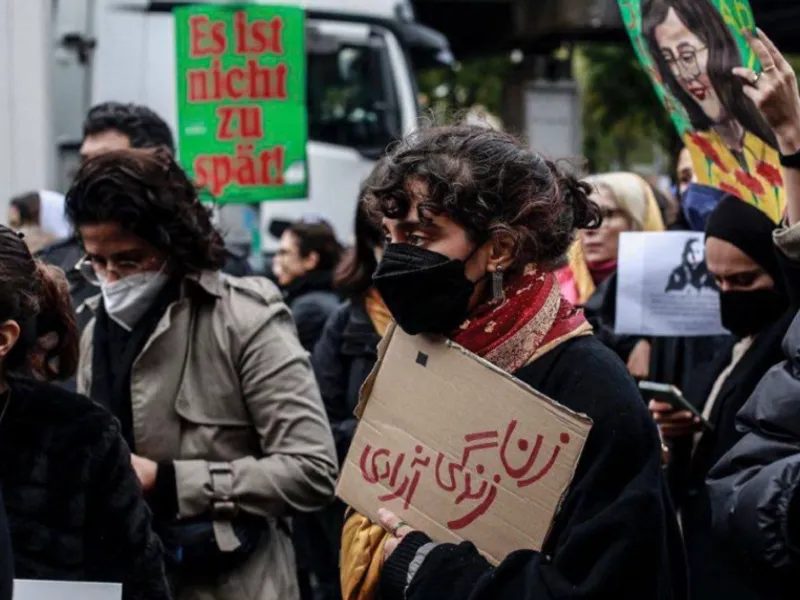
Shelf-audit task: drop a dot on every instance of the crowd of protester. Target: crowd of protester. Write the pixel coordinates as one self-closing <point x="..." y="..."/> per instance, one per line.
<point x="174" y="422"/>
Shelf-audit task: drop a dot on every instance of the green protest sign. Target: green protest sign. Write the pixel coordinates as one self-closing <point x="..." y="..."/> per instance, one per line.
<point x="242" y="123"/>
<point x="689" y="49"/>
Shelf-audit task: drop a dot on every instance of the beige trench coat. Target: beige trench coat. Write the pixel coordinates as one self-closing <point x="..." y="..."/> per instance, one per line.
<point x="224" y="389"/>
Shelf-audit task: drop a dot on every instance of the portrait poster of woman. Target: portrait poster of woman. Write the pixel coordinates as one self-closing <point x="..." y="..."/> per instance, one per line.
<point x="689" y="48"/>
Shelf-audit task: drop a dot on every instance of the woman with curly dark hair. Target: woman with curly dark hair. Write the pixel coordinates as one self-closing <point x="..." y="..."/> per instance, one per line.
<point x="475" y="224"/>
<point x="213" y="390"/>
<point x="73" y="504"/>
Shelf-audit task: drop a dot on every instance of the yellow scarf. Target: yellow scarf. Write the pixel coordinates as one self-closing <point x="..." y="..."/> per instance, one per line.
<point x="378" y="312"/>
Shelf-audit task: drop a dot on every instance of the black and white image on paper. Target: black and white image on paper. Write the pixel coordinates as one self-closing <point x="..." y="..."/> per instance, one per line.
<point x="664" y="287"/>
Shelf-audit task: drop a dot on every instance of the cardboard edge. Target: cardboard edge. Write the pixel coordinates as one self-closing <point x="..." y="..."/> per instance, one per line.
<point x="366" y="387"/>
<point x="518" y="382"/>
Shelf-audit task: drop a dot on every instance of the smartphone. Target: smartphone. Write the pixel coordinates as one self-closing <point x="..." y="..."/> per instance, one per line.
<point x="663" y="392"/>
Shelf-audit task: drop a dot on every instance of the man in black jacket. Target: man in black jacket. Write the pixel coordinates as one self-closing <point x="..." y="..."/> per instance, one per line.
<point x="116" y="126"/>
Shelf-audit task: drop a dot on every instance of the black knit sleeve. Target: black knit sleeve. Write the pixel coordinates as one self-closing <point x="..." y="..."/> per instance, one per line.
<point x="123" y="545"/>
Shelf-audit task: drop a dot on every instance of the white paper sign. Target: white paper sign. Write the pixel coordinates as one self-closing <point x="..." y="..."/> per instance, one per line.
<point x="65" y="590"/>
<point x="664" y="287"/>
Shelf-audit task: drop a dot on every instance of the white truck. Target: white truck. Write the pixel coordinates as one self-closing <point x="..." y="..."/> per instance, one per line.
<point x="362" y="56"/>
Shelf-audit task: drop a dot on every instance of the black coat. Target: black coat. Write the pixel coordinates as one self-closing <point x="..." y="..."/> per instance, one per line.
<point x="754" y="488"/>
<point x="712" y="573"/>
<point x="345" y="355"/>
<point x="74" y="505"/>
<point x="312" y="301"/>
<point x="6" y="556"/>
<point x="601" y="312"/>
<point x="615" y="536"/>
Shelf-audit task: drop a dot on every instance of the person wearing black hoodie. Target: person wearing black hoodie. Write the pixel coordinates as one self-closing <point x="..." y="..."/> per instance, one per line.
<point x="755" y="306"/>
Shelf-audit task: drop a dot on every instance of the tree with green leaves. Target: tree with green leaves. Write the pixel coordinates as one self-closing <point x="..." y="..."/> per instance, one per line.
<point x="622" y="116"/>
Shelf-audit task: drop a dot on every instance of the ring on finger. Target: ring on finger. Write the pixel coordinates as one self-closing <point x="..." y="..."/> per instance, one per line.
<point x="398" y="527"/>
<point x="755" y="78"/>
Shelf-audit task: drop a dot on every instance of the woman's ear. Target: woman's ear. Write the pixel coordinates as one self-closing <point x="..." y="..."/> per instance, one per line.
<point x="501" y="253"/>
<point x="311" y="261"/>
<point x="9" y="334"/>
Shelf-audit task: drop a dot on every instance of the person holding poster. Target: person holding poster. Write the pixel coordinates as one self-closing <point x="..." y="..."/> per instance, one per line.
<point x="755" y="307"/>
<point x="755" y="488"/>
<point x="476" y="224"/>
<point x="689" y="48"/>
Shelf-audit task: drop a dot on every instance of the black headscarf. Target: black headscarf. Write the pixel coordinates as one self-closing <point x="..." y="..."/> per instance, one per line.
<point x="749" y="229"/>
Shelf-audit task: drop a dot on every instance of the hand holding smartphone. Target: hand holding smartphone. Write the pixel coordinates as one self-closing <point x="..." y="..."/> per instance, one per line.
<point x="671" y="395"/>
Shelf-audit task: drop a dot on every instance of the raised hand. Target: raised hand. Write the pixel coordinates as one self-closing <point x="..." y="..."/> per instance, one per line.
<point x="774" y="92"/>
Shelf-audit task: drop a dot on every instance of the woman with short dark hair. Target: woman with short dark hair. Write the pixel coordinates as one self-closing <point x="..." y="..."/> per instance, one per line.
<point x="304" y="267"/>
<point x="475" y="225"/>
<point x="215" y="394"/>
<point x="74" y="506"/>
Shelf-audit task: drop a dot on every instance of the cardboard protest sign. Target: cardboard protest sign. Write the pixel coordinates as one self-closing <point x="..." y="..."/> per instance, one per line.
<point x="242" y="123"/>
<point x="459" y="448"/>
<point x="664" y="287"/>
<point x="25" y="589"/>
<point x="688" y="48"/>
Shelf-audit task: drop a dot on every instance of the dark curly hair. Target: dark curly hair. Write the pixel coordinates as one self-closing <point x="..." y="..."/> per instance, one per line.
<point x="144" y="128"/>
<point x="353" y="277"/>
<point x="149" y="194"/>
<point x="36" y="296"/>
<point x="489" y="183"/>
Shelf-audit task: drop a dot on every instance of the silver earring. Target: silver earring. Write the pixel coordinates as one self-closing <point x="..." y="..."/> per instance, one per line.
<point x="498" y="293"/>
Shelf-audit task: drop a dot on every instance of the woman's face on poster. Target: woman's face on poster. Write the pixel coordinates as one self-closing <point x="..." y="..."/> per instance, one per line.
<point x="687" y="58"/>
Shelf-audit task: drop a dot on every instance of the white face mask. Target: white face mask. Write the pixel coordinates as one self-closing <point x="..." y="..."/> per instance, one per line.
<point x="127" y="300"/>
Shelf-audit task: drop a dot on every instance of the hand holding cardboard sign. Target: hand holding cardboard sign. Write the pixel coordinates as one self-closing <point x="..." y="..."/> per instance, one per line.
<point x="394" y="525"/>
<point x="774" y="91"/>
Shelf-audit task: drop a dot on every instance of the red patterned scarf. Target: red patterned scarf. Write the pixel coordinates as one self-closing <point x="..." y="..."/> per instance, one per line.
<point x="532" y="319"/>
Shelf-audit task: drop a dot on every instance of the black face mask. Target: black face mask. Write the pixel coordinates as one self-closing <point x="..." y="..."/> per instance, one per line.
<point x="747" y="313"/>
<point x="425" y="291"/>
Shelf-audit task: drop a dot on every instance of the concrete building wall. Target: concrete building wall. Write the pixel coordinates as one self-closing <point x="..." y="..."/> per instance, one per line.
<point x="27" y="152"/>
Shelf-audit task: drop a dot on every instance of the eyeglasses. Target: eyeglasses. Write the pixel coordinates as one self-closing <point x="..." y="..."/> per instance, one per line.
<point x="685" y="65"/>
<point x="610" y="213"/>
<point x="95" y="270"/>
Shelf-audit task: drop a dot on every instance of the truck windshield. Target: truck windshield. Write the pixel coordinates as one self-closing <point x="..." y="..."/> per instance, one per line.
<point x="351" y="95"/>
